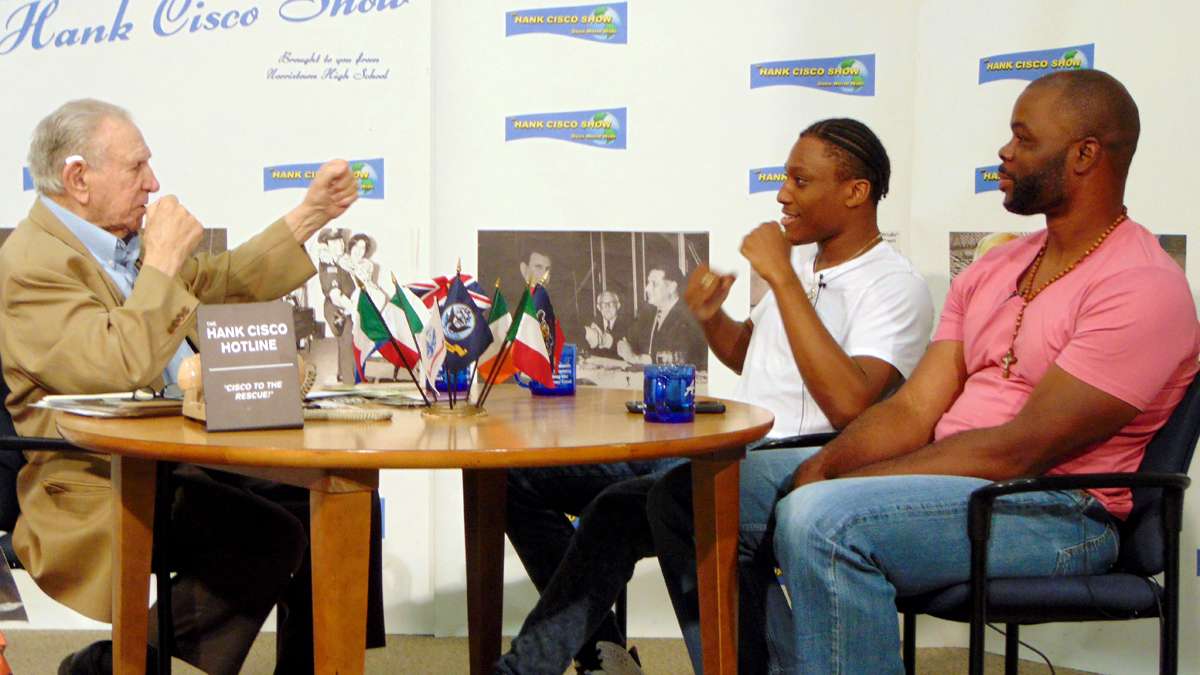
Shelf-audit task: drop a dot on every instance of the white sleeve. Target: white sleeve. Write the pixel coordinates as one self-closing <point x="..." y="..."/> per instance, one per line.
<point x="892" y="321"/>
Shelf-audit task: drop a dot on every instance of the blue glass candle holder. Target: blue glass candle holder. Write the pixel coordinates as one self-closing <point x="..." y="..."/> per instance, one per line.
<point x="669" y="392"/>
<point x="461" y="380"/>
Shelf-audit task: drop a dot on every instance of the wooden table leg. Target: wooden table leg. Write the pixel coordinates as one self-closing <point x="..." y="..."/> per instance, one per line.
<point x="484" y="492"/>
<point x="341" y="545"/>
<point x="133" y="539"/>
<point x="715" y="508"/>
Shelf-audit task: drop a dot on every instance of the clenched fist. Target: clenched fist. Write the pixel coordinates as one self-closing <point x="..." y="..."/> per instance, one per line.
<point x="331" y="192"/>
<point x="706" y="292"/>
<point x="169" y="236"/>
<point x="769" y="252"/>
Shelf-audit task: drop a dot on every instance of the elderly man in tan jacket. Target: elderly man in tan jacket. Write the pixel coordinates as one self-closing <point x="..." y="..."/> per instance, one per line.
<point x="98" y="290"/>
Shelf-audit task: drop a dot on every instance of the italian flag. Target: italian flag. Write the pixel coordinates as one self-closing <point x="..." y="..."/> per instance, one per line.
<point x="529" y="354"/>
<point x="499" y="323"/>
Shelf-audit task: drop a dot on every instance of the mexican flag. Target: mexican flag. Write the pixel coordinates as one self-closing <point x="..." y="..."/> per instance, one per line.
<point x="379" y="328"/>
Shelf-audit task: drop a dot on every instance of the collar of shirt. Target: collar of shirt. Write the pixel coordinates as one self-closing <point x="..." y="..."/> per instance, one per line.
<point x="108" y="249"/>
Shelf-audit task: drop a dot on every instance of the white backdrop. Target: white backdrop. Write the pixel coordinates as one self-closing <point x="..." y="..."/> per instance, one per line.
<point x="694" y="128"/>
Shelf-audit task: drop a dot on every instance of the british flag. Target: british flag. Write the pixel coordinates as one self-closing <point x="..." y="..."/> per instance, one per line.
<point x="436" y="289"/>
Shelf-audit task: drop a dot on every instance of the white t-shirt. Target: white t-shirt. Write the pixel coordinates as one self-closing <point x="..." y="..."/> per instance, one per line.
<point x="874" y="305"/>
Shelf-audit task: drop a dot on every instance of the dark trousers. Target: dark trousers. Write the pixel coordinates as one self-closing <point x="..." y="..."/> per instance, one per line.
<point x="578" y="573"/>
<point x="239" y="546"/>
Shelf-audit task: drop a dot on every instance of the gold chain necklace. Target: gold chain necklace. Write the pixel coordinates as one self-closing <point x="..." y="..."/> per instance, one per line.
<point x="1028" y="293"/>
<point x="812" y="292"/>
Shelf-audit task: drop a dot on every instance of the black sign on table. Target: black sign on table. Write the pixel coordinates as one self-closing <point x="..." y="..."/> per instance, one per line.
<point x="250" y="376"/>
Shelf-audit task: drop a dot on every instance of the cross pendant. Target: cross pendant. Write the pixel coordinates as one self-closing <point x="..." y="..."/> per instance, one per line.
<point x="1007" y="361"/>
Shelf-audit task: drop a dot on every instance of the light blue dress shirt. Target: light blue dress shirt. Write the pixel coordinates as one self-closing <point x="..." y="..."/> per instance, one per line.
<point x="118" y="258"/>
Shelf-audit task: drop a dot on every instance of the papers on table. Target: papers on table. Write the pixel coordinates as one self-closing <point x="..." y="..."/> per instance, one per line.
<point x="113" y="404"/>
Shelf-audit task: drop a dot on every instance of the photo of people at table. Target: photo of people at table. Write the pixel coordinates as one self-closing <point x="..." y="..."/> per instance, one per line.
<point x="618" y="295"/>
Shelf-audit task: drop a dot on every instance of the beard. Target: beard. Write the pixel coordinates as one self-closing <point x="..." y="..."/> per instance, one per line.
<point x="1042" y="191"/>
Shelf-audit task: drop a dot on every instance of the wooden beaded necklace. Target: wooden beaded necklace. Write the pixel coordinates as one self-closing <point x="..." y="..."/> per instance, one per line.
<point x="1028" y="293"/>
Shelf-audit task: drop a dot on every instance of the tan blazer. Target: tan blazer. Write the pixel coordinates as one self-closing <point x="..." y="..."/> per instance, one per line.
<point x="66" y="328"/>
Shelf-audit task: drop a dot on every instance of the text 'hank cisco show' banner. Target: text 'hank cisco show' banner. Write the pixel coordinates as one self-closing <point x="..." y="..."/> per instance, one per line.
<point x="852" y="75"/>
<point x="604" y="128"/>
<point x="38" y="25"/>
<point x="1033" y="64"/>
<point x="248" y="352"/>
<point x="601" y="23"/>
<point x="368" y="173"/>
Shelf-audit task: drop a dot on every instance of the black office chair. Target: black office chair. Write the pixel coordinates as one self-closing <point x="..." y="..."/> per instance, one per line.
<point x="12" y="458"/>
<point x="1149" y="546"/>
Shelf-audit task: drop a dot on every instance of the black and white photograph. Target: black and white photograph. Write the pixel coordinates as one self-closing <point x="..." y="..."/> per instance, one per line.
<point x="617" y="295"/>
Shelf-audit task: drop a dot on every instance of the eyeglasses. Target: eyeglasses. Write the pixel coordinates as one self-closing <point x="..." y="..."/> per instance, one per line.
<point x="170" y="392"/>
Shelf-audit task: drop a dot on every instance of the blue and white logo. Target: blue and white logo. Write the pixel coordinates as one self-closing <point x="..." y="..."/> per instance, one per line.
<point x="767" y="179"/>
<point x="1034" y="64"/>
<point x="600" y="23"/>
<point x="852" y="75"/>
<point x="604" y="128"/>
<point x="987" y="178"/>
<point x="458" y="321"/>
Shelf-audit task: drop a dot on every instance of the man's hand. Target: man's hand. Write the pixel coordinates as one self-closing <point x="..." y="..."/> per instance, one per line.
<point x="331" y="192"/>
<point x="808" y="472"/>
<point x="706" y="292"/>
<point x="169" y="236"/>
<point x="769" y="253"/>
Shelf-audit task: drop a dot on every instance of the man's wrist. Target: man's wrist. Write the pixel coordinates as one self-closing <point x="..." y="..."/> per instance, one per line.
<point x="304" y="221"/>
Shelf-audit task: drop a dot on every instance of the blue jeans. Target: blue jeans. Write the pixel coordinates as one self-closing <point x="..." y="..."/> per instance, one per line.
<point x="578" y="571"/>
<point x="764" y="619"/>
<point x="849" y="547"/>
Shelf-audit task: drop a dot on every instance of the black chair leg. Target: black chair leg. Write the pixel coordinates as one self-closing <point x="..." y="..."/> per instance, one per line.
<point x="164" y="496"/>
<point x="1012" y="648"/>
<point x="908" y="648"/>
<point x="622" y="610"/>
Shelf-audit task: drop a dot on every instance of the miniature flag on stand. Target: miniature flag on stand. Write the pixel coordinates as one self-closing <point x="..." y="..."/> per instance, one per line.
<point x="434" y="291"/>
<point x="466" y="329"/>
<point x="529" y="352"/>
<point x="404" y="322"/>
<point x="499" y="323"/>
<point x="432" y="343"/>
<point x="551" y="330"/>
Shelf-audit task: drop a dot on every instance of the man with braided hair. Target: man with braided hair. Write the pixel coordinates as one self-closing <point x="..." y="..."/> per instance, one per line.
<point x="1040" y="366"/>
<point x="847" y="318"/>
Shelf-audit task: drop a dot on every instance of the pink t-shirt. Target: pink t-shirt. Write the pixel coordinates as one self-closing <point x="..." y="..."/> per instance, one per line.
<point x="1122" y="321"/>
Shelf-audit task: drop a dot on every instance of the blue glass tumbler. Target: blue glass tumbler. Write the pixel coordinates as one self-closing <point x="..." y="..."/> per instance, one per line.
<point x="669" y="392"/>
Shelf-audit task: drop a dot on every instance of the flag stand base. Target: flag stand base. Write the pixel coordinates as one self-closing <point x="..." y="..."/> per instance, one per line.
<point x="443" y="409"/>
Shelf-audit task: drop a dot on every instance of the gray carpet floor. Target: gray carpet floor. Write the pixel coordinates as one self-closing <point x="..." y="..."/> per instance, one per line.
<point x="35" y="652"/>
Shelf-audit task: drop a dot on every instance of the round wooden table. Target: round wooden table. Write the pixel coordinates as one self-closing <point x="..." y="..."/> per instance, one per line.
<point x="339" y="463"/>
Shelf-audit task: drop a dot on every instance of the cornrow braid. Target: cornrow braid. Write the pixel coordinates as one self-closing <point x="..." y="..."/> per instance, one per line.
<point x="859" y="152"/>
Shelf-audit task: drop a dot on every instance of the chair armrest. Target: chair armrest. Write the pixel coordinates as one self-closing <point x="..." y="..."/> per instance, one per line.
<point x="979" y="509"/>
<point x="22" y="443"/>
<point x="802" y="441"/>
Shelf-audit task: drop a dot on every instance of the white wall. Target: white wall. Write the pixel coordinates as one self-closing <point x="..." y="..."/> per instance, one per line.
<point x="694" y="128"/>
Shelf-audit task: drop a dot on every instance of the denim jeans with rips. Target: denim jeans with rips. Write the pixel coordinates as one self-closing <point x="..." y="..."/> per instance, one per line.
<point x="849" y="547"/>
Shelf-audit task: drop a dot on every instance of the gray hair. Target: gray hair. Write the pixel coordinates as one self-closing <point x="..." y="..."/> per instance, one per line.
<point x="70" y="130"/>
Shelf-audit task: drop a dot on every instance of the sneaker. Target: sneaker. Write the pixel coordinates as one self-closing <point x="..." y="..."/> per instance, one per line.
<point x="614" y="660"/>
<point x="97" y="659"/>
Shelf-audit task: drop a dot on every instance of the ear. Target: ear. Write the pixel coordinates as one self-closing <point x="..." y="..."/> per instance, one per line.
<point x="75" y="183"/>
<point x="1085" y="155"/>
<point x="858" y="192"/>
